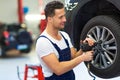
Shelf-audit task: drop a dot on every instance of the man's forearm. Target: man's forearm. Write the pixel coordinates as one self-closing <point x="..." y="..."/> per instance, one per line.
<point x="75" y="53"/>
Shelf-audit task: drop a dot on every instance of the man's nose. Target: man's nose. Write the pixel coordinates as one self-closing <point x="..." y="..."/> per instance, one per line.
<point x="64" y="19"/>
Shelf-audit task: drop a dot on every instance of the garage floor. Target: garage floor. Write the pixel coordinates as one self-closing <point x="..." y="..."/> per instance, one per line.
<point x="8" y="68"/>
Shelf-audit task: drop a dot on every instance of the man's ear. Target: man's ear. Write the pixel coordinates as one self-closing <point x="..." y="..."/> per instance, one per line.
<point x="49" y="19"/>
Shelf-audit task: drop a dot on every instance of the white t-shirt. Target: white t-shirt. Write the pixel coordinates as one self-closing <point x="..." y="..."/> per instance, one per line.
<point x="45" y="47"/>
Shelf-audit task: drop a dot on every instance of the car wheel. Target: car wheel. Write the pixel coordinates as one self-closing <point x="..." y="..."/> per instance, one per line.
<point x="105" y="31"/>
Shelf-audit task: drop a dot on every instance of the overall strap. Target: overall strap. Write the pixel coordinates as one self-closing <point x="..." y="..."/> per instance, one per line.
<point x="55" y="45"/>
<point x="47" y="38"/>
<point x="66" y="41"/>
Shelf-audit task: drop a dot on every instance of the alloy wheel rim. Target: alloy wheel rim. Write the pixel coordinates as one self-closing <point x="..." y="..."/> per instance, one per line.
<point x="105" y="50"/>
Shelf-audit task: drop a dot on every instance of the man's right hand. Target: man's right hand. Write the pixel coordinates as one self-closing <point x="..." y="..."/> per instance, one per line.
<point x="87" y="56"/>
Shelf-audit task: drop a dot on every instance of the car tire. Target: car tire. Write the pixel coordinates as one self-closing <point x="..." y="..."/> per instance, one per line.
<point x="105" y="31"/>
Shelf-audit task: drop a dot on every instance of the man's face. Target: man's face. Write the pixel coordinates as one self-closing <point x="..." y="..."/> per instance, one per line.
<point x="59" y="19"/>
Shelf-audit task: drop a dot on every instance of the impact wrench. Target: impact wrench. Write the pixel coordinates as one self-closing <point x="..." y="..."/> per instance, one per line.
<point x="85" y="47"/>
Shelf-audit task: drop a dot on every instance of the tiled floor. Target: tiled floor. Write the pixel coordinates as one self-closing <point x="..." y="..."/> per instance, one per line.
<point x="8" y="68"/>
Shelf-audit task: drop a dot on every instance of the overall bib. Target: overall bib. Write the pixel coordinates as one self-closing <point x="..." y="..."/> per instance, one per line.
<point x="64" y="55"/>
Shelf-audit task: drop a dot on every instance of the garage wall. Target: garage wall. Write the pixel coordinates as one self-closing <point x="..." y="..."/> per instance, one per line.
<point x="8" y="11"/>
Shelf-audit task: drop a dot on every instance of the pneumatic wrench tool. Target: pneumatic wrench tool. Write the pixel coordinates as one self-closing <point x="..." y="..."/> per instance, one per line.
<point x="85" y="47"/>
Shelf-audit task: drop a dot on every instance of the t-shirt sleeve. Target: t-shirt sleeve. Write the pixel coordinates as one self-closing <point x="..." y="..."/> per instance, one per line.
<point x="44" y="47"/>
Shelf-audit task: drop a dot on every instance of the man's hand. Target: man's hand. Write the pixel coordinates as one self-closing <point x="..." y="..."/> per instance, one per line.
<point x="87" y="44"/>
<point x="87" y="56"/>
<point x="89" y="41"/>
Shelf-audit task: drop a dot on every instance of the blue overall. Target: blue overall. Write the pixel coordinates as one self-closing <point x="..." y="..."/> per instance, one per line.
<point x="64" y="55"/>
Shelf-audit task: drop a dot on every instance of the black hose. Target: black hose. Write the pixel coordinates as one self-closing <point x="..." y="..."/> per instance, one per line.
<point x="88" y="66"/>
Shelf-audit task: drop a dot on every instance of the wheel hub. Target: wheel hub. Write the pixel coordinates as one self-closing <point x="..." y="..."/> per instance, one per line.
<point x="99" y="46"/>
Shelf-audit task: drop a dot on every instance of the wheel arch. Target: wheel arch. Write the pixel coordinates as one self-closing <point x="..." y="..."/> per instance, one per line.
<point x="115" y="3"/>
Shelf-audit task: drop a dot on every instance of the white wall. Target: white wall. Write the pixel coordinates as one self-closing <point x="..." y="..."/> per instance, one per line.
<point x="8" y="11"/>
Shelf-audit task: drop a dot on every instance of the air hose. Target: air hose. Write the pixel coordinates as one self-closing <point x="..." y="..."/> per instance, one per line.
<point x="88" y="67"/>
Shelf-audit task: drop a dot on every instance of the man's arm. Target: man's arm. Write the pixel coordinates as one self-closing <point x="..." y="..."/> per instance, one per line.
<point x="75" y="53"/>
<point x="62" y="67"/>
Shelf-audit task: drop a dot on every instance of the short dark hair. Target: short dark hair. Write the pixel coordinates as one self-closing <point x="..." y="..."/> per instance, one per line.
<point x="51" y="6"/>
